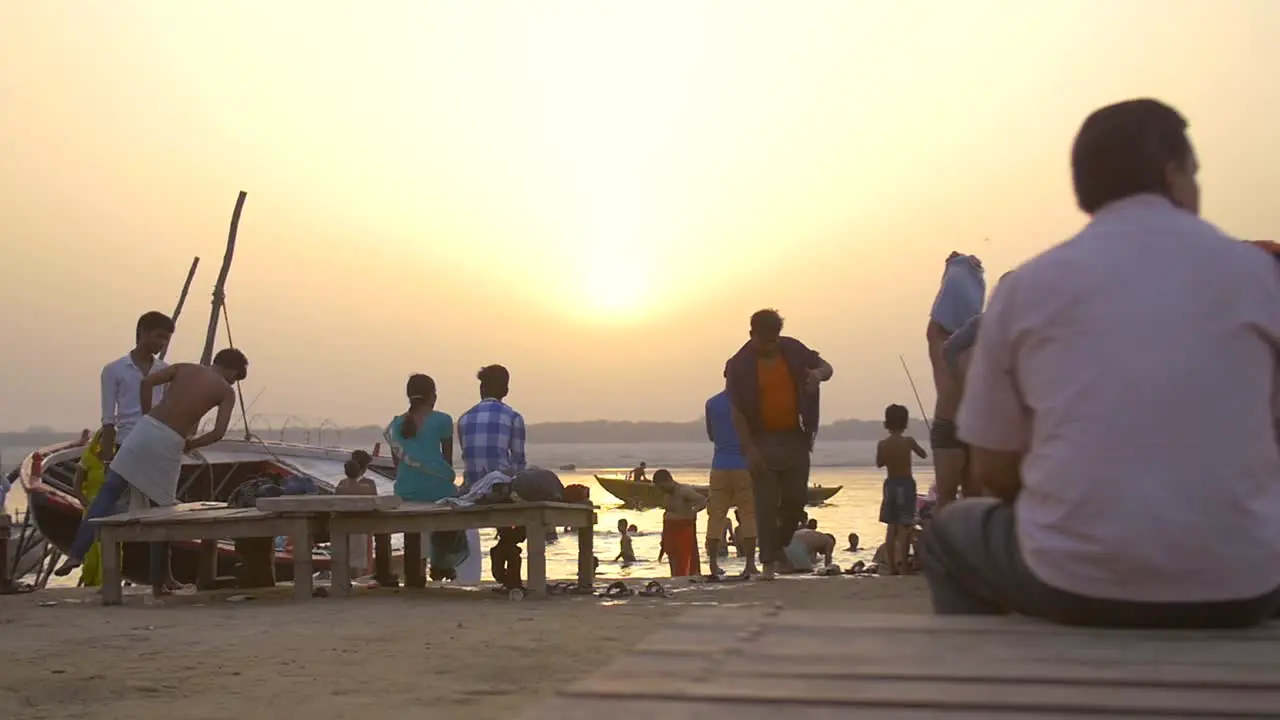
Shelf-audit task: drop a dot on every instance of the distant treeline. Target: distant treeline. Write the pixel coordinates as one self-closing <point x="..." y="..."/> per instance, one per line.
<point x="596" y="431"/>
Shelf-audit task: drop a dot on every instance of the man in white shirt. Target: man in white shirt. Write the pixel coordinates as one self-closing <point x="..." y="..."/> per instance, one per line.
<point x="122" y="409"/>
<point x="122" y="380"/>
<point x="1121" y="406"/>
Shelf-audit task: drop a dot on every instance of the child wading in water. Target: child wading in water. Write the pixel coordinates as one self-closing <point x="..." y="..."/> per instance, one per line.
<point x="898" y="504"/>
<point x="355" y="483"/>
<point x="625" y="552"/>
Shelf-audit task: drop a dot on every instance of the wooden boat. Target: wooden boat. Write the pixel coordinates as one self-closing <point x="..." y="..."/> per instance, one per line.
<point x="212" y="475"/>
<point x="646" y="494"/>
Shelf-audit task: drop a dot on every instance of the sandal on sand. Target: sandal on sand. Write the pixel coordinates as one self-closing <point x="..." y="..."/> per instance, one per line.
<point x="617" y="589"/>
<point x="560" y="588"/>
<point x="654" y="589"/>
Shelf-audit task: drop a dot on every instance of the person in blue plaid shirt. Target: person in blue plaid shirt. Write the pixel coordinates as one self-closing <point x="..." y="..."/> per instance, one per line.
<point x="491" y="434"/>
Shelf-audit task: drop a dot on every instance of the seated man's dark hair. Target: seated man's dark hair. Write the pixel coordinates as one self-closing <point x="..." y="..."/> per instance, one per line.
<point x="353" y="468"/>
<point x="766" y="324"/>
<point x="895" y="418"/>
<point x="494" y="377"/>
<point x="234" y="360"/>
<point x="152" y="321"/>
<point x="363" y="457"/>
<point x="1124" y="150"/>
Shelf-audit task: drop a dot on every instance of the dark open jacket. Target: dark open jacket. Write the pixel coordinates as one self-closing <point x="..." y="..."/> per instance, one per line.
<point x="744" y="389"/>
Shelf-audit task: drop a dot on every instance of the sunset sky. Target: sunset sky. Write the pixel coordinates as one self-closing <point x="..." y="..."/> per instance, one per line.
<point x="595" y="194"/>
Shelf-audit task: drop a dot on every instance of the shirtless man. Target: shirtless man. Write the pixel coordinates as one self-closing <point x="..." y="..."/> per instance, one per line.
<point x="679" y="523"/>
<point x="637" y="474"/>
<point x="150" y="459"/>
<point x="801" y="554"/>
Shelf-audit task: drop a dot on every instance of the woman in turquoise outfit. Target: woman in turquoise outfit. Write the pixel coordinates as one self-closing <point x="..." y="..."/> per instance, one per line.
<point x="421" y="442"/>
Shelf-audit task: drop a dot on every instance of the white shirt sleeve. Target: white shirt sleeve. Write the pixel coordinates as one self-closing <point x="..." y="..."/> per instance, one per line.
<point x="992" y="413"/>
<point x="110" y="391"/>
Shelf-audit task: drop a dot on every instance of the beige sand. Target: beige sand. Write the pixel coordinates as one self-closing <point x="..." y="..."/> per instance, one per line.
<point x="382" y="654"/>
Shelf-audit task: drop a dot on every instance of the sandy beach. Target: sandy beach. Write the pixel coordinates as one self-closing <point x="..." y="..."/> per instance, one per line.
<point x="386" y="653"/>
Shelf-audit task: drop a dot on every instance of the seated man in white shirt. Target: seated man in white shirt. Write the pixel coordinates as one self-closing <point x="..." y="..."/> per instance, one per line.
<point x="1121" y="404"/>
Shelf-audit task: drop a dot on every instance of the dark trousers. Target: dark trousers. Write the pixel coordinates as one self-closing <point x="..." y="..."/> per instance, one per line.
<point x="975" y="567"/>
<point x="504" y="557"/>
<point x="780" y="485"/>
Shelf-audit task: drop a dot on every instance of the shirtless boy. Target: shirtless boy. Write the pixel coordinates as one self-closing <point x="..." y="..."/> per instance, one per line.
<point x="355" y="483"/>
<point x="626" y="553"/>
<point x="679" y="522"/>
<point x="898" y="504"/>
<point x="806" y="545"/>
<point x="150" y="458"/>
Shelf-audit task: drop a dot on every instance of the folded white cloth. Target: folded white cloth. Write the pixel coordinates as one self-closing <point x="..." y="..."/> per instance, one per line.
<point x="151" y="459"/>
<point x="478" y="489"/>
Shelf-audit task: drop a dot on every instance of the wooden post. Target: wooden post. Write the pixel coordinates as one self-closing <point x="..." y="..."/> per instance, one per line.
<point x="537" y="532"/>
<point x="413" y="576"/>
<point x="6" y="582"/>
<point x="208" y="577"/>
<point x="182" y="298"/>
<point x="339" y="561"/>
<point x="219" y="287"/>
<point x="586" y="556"/>
<point x="301" y="536"/>
<point x="382" y="561"/>
<point x="112" y="592"/>
<point x="258" y="562"/>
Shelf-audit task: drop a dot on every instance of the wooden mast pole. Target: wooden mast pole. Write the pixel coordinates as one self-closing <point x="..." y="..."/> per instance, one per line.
<point x="206" y="357"/>
<point x="182" y="298"/>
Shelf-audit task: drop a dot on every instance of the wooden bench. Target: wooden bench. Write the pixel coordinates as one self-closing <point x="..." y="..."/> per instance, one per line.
<point x="207" y="522"/>
<point x="751" y="664"/>
<point x="414" y="519"/>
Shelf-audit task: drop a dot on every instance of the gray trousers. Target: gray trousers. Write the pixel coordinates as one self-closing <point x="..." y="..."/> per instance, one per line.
<point x="780" y="486"/>
<point x="974" y="567"/>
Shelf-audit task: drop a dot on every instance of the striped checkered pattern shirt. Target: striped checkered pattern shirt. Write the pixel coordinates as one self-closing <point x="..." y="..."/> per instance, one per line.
<point x="491" y="436"/>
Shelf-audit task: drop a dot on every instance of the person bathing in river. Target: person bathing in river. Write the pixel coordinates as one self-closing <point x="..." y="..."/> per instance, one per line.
<point x="801" y="554"/>
<point x="421" y="442"/>
<point x="898" y="499"/>
<point x="626" y="553"/>
<point x="679" y="522"/>
<point x="150" y="458"/>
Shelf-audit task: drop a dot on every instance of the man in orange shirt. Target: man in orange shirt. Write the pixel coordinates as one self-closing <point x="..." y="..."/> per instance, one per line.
<point x="773" y="386"/>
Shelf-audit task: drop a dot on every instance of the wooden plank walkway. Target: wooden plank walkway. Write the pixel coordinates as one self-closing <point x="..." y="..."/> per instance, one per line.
<point x="752" y="664"/>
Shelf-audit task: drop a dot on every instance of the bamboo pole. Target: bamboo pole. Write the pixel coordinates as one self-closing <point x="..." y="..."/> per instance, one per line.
<point x="182" y="298"/>
<point x="206" y="357"/>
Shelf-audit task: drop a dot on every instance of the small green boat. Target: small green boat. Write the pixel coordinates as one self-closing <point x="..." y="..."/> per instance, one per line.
<point x="645" y="494"/>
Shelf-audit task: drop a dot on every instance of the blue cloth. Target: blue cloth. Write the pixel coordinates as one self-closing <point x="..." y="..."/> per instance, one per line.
<point x="720" y="430"/>
<point x="492" y="437"/>
<point x="5" y="484"/>
<point x="422" y="474"/>
<point x="960" y="297"/>
<point x="744" y="387"/>
<point x="898" y="501"/>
